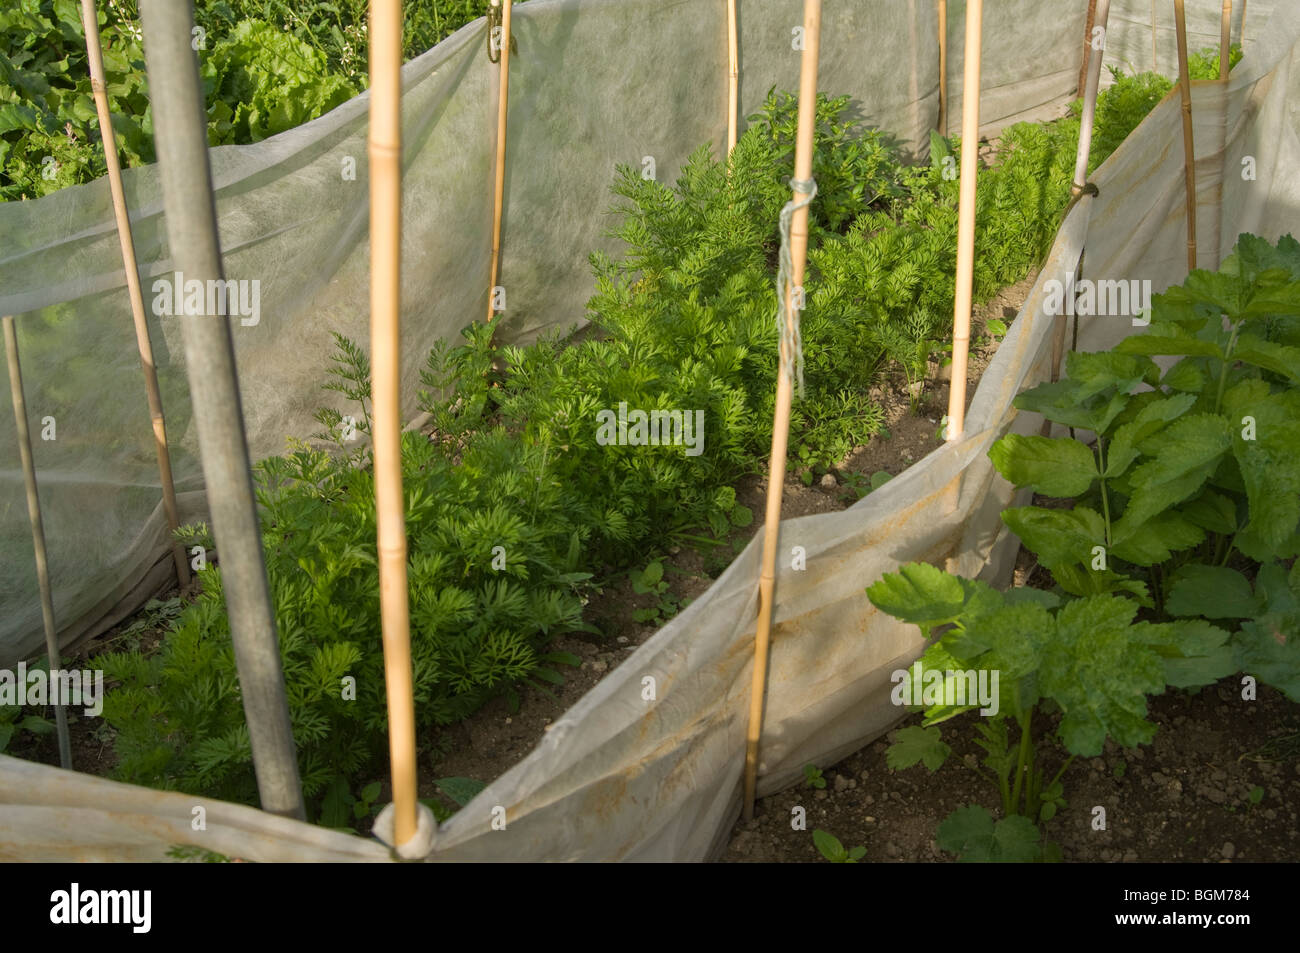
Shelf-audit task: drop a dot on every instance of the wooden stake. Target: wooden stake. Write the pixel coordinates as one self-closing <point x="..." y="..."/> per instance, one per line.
<point x="970" y="150"/>
<point x="385" y="357"/>
<point x="1241" y="36"/>
<point x="38" y="530"/>
<point x="1189" y="152"/>
<point x="943" y="67"/>
<point x="499" y="192"/>
<point x="803" y="159"/>
<point x="1225" y="39"/>
<point x="1101" y="15"/>
<point x="95" y="59"/>
<point x="733" y="77"/>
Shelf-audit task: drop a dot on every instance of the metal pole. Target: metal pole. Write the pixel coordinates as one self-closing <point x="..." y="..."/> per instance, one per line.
<point x="38" y="530"/>
<point x="180" y="135"/>
<point x="95" y="59"/>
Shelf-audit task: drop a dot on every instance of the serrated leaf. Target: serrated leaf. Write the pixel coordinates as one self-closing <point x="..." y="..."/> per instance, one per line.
<point x="1156" y="540"/>
<point x="920" y="594"/>
<point x="1057" y="537"/>
<point x="1059" y="468"/>
<point x="913" y="744"/>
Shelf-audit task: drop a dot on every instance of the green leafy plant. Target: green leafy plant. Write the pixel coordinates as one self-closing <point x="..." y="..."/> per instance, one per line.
<point x="650" y="581"/>
<point x="1191" y="486"/>
<point x="1087" y="659"/>
<point x="813" y="776"/>
<point x="830" y="847"/>
<point x="512" y="502"/>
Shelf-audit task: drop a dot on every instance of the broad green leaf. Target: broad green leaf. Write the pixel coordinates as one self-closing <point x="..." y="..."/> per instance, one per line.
<point x="1169" y="344"/>
<point x="1157" y="539"/>
<point x="971" y="833"/>
<point x="1123" y="447"/>
<point x="1212" y="511"/>
<point x="1099" y="671"/>
<point x="460" y="790"/>
<point x="1061" y="402"/>
<point x="916" y="744"/>
<point x="1269" y="649"/>
<point x="1022" y="594"/>
<point x="1215" y="592"/>
<point x="1186" y="375"/>
<point x="1059" y="468"/>
<point x="830" y="847"/>
<point x="1057" y="537"/>
<point x="1277" y="358"/>
<point x="1183" y="456"/>
<point x="925" y="596"/>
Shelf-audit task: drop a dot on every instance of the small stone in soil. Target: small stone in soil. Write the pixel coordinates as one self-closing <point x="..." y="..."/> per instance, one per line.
<point x="1229" y="851"/>
<point x="829" y="482"/>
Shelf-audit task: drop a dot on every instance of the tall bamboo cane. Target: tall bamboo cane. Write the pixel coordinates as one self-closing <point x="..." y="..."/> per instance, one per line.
<point x="1225" y="39"/>
<point x="1154" y="62"/>
<point x="95" y="59"/>
<point x="1100" y="18"/>
<point x="1189" y="151"/>
<point x="38" y="530"/>
<point x="812" y="19"/>
<point x="499" y="186"/>
<point x="970" y="148"/>
<point x="943" y="67"/>
<point x="733" y="77"/>
<point x="385" y="355"/>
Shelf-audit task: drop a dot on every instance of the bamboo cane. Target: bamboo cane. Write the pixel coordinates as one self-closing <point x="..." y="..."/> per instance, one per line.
<point x="1241" y="35"/>
<point x="1189" y="152"/>
<point x="812" y="19"/>
<point x="1087" y="58"/>
<point x="1225" y="39"/>
<point x="970" y="145"/>
<point x="733" y="77"/>
<point x="943" y="67"/>
<point x="1100" y="18"/>
<point x="1154" y="61"/>
<point x="38" y="530"/>
<point x="499" y="189"/>
<point x="95" y="59"/>
<point x="181" y="138"/>
<point x="385" y="331"/>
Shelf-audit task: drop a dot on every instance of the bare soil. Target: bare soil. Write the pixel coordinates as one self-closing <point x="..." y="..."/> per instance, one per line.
<point x="1187" y="797"/>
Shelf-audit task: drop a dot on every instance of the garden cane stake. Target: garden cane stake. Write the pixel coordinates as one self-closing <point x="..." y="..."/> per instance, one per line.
<point x="1189" y="151"/>
<point x="95" y="59"/>
<point x="970" y="151"/>
<point x="385" y="355"/>
<point x="803" y="162"/>
<point x="38" y="530"/>
<point x="499" y="186"/>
